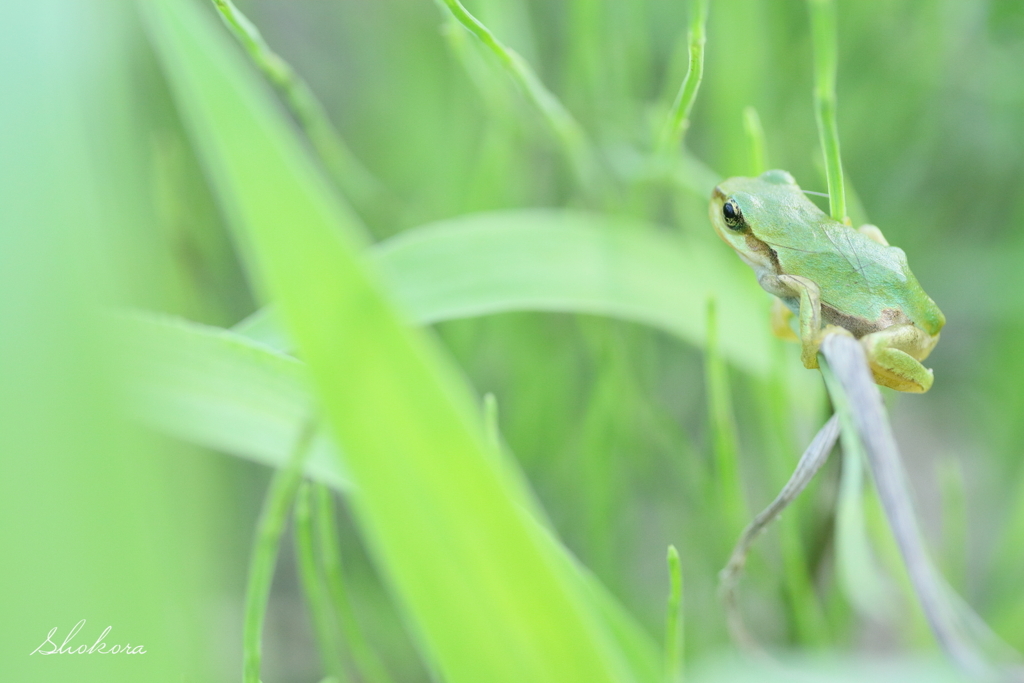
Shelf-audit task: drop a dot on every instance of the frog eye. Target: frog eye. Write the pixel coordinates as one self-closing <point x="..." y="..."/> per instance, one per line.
<point x="733" y="216"/>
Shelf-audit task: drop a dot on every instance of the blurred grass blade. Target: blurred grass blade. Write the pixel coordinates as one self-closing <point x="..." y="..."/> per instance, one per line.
<point x="364" y="659"/>
<point x="481" y="588"/>
<point x="674" y="619"/>
<point x="755" y="141"/>
<point x="352" y="178"/>
<point x="858" y="569"/>
<point x="217" y="389"/>
<point x="679" y="114"/>
<point x="572" y="262"/>
<point x="96" y="527"/>
<point x="955" y="534"/>
<point x="314" y="587"/>
<point x="266" y="543"/>
<point x="566" y="130"/>
<point x="732" y="507"/>
<point x="823" y="33"/>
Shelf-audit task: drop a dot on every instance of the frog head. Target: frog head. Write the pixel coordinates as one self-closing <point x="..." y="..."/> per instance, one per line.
<point x="743" y="210"/>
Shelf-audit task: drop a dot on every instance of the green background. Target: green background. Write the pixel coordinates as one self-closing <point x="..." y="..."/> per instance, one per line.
<point x="129" y="173"/>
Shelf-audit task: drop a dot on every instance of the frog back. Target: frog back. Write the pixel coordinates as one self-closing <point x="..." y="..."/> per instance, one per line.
<point x="865" y="286"/>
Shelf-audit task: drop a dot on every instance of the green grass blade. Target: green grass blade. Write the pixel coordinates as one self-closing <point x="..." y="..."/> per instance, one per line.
<point x="345" y="169"/>
<point x="565" y="128"/>
<point x="674" y="619"/>
<point x="368" y="666"/>
<point x="755" y="140"/>
<point x="314" y="588"/>
<point x="823" y="34"/>
<point x="220" y="390"/>
<point x="571" y="262"/>
<point x="860" y="575"/>
<point x="679" y="115"/>
<point x="267" y="541"/>
<point x="481" y="590"/>
<point x="724" y="435"/>
<point x="217" y="389"/>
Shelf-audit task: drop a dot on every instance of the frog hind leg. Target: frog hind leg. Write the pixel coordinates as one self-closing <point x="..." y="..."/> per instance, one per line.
<point x="895" y="354"/>
<point x="811" y="332"/>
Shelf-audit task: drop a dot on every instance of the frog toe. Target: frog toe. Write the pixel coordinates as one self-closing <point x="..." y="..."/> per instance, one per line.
<point x="898" y="370"/>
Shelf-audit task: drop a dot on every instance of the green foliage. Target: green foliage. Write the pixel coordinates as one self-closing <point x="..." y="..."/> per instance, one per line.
<point x="514" y="235"/>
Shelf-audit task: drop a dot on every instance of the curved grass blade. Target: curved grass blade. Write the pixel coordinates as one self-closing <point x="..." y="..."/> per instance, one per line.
<point x="810" y="462"/>
<point x="222" y="391"/>
<point x="570" y="262"/>
<point x="679" y="115"/>
<point x="352" y="178"/>
<point x="565" y="128"/>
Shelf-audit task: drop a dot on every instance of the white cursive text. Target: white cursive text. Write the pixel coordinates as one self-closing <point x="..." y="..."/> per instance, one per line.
<point x="99" y="647"/>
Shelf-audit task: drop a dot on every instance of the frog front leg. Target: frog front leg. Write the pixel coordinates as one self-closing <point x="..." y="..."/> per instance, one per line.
<point x="811" y="332"/>
<point x="895" y="354"/>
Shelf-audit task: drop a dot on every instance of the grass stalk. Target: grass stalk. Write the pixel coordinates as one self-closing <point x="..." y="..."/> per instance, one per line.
<point x="858" y="403"/>
<point x="813" y="458"/>
<point x="955" y="534"/>
<point x="755" y="141"/>
<point x="723" y="432"/>
<point x="314" y="588"/>
<point x="565" y="128"/>
<point x="367" y="665"/>
<point x="674" y="632"/>
<point x="823" y="35"/>
<point x="678" y="120"/>
<point x="266" y="543"/>
<point x="352" y="178"/>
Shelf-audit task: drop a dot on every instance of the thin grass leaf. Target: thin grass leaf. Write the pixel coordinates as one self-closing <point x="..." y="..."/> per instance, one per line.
<point x="266" y="542"/>
<point x="722" y="425"/>
<point x="365" y="660"/>
<point x="755" y="141"/>
<point x="810" y="462"/>
<point x="679" y="114"/>
<point x="314" y="589"/>
<point x="566" y="130"/>
<point x="823" y="33"/>
<point x="352" y="178"/>
<point x="674" y="619"/>
<point x="776" y="398"/>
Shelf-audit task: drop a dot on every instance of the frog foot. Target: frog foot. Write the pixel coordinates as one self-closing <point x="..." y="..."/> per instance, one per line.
<point x="809" y="352"/>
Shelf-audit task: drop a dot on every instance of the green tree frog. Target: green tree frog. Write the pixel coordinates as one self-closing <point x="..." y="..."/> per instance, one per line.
<point x="834" y="278"/>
